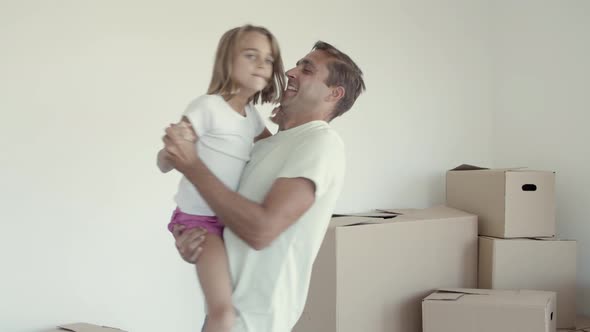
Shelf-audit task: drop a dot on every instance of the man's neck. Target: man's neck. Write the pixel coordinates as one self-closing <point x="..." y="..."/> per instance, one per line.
<point x="298" y="118"/>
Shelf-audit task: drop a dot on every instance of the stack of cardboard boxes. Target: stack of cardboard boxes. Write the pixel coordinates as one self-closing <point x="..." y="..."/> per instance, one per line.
<point x="373" y="270"/>
<point x="517" y="247"/>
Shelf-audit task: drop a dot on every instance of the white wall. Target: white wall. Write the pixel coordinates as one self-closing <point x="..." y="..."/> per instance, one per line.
<point x="542" y="110"/>
<point x="88" y="86"/>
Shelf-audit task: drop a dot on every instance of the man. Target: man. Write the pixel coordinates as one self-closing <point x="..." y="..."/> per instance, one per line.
<point x="277" y="219"/>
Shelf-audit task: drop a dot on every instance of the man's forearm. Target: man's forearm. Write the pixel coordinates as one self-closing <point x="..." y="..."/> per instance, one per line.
<point x="246" y="218"/>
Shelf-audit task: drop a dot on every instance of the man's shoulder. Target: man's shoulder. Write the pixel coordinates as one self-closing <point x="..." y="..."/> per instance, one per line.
<point x="323" y="134"/>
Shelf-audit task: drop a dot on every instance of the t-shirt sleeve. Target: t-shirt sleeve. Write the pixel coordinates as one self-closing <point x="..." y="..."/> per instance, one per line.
<point x="198" y="113"/>
<point x="320" y="159"/>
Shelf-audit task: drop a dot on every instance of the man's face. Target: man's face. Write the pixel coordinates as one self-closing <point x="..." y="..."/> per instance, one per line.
<point x="306" y="87"/>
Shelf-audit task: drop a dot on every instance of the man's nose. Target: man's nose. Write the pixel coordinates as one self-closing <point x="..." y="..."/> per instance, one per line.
<point x="290" y="73"/>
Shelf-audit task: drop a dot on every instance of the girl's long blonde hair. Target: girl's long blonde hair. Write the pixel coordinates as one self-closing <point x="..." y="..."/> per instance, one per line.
<point x="221" y="82"/>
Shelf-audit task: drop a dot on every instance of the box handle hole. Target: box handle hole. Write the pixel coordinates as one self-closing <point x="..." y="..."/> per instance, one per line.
<point x="529" y="187"/>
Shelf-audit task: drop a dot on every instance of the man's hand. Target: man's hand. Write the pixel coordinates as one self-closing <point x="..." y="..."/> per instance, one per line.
<point x="277" y="117"/>
<point x="189" y="243"/>
<point x="179" y="144"/>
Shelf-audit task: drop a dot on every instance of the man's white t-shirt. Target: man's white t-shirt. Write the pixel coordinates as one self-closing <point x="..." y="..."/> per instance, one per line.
<point x="225" y="140"/>
<point x="271" y="285"/>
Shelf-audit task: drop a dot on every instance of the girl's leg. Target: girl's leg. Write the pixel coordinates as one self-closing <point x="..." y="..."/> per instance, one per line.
<point x="213" y="272"/>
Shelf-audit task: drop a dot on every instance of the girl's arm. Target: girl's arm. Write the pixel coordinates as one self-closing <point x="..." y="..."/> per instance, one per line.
<point x="277" y="118"/>
<point x="163" y="162"/>
<point x="264" y="134"/>
<point x="188" y="134"/>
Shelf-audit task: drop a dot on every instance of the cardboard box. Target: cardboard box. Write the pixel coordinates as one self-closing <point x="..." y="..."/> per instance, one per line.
<point x="509" y="202"/>
<point x="542" y="264"/>
<point x="468" y="310"/>
<point x="371" y="274"/>
<point x="85" y="327"/>
<point x="582" y="325"/>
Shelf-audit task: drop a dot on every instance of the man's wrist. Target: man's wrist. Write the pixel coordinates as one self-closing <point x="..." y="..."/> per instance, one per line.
<point x="195" y="169"/>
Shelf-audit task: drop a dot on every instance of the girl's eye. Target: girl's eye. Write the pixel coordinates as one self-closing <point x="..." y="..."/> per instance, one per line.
<point x="250" y="56"/>
<point x="269" y="61"/>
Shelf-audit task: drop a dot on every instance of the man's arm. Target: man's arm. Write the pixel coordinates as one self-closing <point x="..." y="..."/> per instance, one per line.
<point x="264" y="134"/>
<point x="256" y="224"/>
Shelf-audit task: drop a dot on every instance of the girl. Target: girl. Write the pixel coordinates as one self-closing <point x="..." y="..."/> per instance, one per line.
<point x="248" y="69"/>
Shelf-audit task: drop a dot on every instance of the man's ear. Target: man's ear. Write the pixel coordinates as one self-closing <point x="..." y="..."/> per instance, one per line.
<point x="337" y="93"/>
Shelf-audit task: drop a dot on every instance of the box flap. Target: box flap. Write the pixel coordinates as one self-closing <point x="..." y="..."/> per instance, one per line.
<point x="85" y="327"/>
<point x="383" y="214"/>
<point x="471" y="291"/>
<point x="435" y="212"/>
<point x="346" y="221"/>
<point x="443" y="296"/>
<point x="520" y="239"/>
<point x="528" y="170"/>
<point x="467" y="167"/>
<point x="516" y="297"/>
<point x="453" y="294"/>
<point x="397" y="211"/>
<point x="363" y="218"/>
<point x="552" y="239"/>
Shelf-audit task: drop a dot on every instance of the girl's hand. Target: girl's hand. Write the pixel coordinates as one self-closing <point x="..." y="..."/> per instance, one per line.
<point x="278" y="117"/>
<point x="180" y="147"/>
<point x="186" y="130"/>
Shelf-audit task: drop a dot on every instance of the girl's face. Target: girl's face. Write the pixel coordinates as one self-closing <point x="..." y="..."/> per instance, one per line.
<point x="253" y="63"/>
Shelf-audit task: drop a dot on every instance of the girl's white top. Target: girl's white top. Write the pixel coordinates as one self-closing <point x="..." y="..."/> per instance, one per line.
<point x="225" y="141"/>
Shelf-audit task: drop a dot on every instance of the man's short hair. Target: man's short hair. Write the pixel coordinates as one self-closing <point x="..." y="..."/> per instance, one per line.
<point x="342" y="72"/>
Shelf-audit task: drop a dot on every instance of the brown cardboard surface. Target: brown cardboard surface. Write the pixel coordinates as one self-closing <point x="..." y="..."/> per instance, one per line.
<point x="467" y="310"/>
<point x="371" y="274"/>
<point x="510" y="203"/>
<point x="582" y="325"/>
<point x="541" y="264"/>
